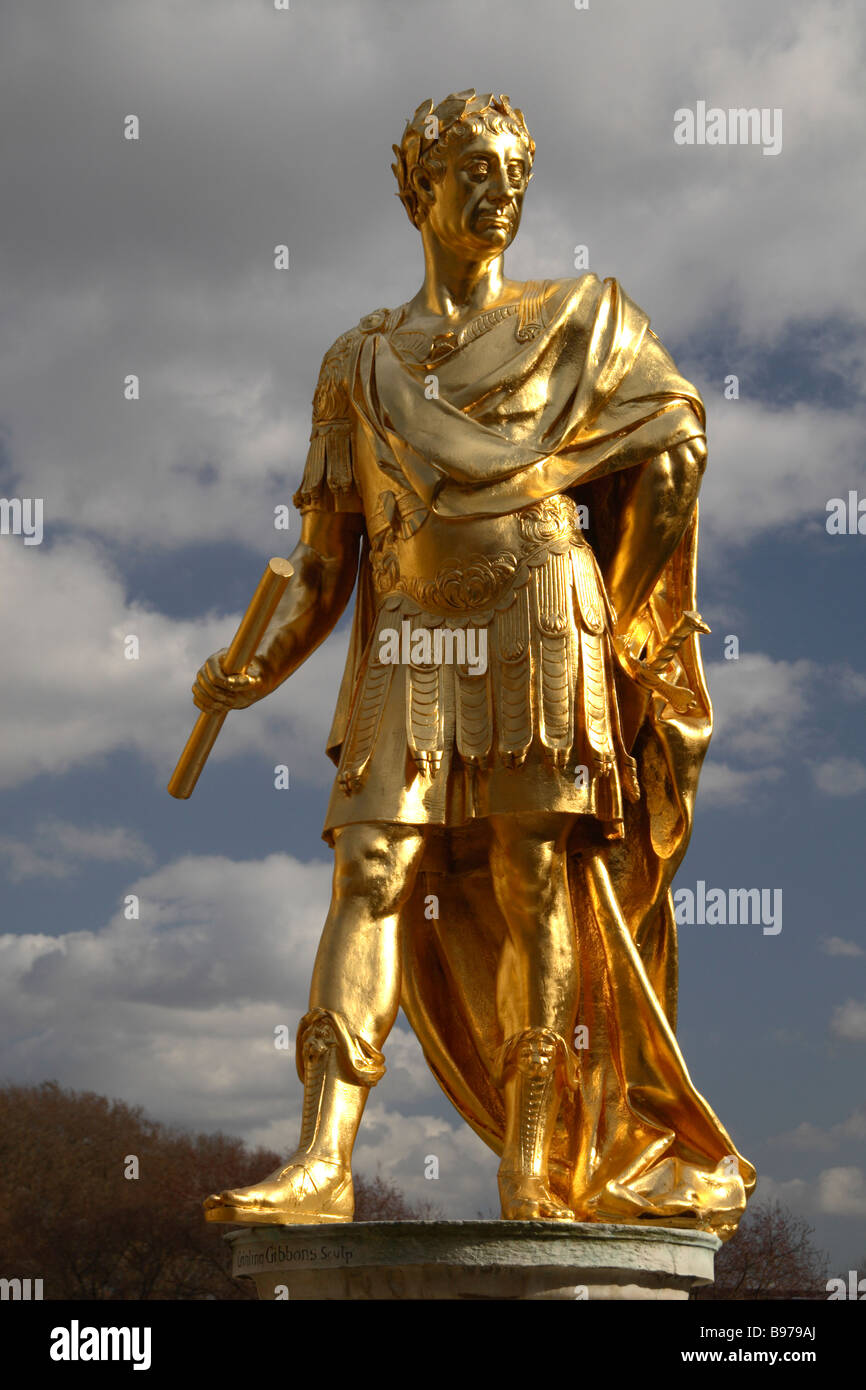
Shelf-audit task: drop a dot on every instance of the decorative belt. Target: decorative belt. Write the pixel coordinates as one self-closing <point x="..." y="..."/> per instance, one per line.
<point x="481" y="581"/>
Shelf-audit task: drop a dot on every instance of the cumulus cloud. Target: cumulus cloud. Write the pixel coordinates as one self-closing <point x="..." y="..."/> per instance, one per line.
<point x="771" y="469"/>
<point x="852" y="684"/>
<point x="167" y="268"/>
<point x="793" y="1192"/>
<point x="59" y="849"/>
<point x="758" y="703"/>
<point x="833" y="1192"/>
<point x="722" y="785"/>
<point x="210" y="931"/>
<point x="808" y="1137"/>
<point x="849" y="1021"/>
<point x="842" y="1192"/>
<point x="838" y="946"/>
<point x="840" y="776"/>
<point x="763" y="708"/>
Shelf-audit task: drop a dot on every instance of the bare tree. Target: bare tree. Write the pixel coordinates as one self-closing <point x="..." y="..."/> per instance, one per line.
<point x="101" y="1202"/>
<point x="377" y="1199"/>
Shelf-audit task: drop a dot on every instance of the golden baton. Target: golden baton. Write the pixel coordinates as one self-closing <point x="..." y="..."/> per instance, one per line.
<point x="239" y="655"/>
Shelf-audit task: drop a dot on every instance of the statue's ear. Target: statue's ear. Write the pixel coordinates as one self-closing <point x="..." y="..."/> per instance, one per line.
<point x="423" y="186"/>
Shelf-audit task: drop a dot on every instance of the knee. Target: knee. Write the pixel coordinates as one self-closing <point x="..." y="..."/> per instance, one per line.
<point x="375" y="867"/>
<point x="525" y="875"/>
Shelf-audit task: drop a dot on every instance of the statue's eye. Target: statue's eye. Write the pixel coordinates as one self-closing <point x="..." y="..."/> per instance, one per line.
<point x="478" y="169"/>
<point x="515" y="171"/>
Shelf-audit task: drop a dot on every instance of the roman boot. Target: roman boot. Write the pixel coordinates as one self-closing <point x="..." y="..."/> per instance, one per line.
<point x="534" y="1072"/>
<point x="315" y="1185"/>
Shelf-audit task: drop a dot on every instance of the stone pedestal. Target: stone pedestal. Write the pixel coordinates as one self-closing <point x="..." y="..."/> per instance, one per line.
<point x="473" y="1259"/>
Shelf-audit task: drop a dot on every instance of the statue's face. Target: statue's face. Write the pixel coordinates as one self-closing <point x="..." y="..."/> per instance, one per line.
<point x="477" y="204"/>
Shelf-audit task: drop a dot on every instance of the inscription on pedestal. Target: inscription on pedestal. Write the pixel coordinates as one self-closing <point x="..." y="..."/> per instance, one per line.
<point x="474" y="1259"/>
<point x="254" y="1257"/>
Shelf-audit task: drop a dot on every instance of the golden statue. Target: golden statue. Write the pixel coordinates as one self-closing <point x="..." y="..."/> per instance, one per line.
<point x="511" y="473"/>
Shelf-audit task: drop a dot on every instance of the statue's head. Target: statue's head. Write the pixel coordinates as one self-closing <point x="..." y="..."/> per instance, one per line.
<point x="463" y="168"/>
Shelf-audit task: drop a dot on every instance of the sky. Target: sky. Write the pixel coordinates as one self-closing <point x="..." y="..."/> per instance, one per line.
<point x="155" y="257"/>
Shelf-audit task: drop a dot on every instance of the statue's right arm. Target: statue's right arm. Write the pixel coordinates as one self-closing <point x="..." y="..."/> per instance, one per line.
<point x="325" y="563"/>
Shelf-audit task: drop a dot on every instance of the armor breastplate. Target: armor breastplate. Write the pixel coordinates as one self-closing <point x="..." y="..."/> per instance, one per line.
<point x="469" y="567"/>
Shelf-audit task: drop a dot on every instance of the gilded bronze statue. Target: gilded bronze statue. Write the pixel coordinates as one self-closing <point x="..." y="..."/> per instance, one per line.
<point x="509" y="472"/>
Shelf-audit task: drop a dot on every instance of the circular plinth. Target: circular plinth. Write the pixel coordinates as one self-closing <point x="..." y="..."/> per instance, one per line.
<point x="473" y="1259"/>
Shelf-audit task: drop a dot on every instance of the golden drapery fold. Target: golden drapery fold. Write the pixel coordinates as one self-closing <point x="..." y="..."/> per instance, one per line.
<point x="592" y="393"/>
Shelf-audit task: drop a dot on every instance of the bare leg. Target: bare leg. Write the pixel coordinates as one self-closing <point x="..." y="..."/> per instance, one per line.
<point x="354" y="998"/>
<point x="529" y="869"/>
<point x="528" y="866"/>
<point x="357" y="970"/>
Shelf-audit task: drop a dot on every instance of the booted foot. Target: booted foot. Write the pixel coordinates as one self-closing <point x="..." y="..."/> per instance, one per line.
<point x="307" y="1191"/>
<point x="530" y="1199"/>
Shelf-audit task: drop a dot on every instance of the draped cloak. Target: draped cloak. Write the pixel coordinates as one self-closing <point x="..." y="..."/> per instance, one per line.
<point x="572" y="403"/>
